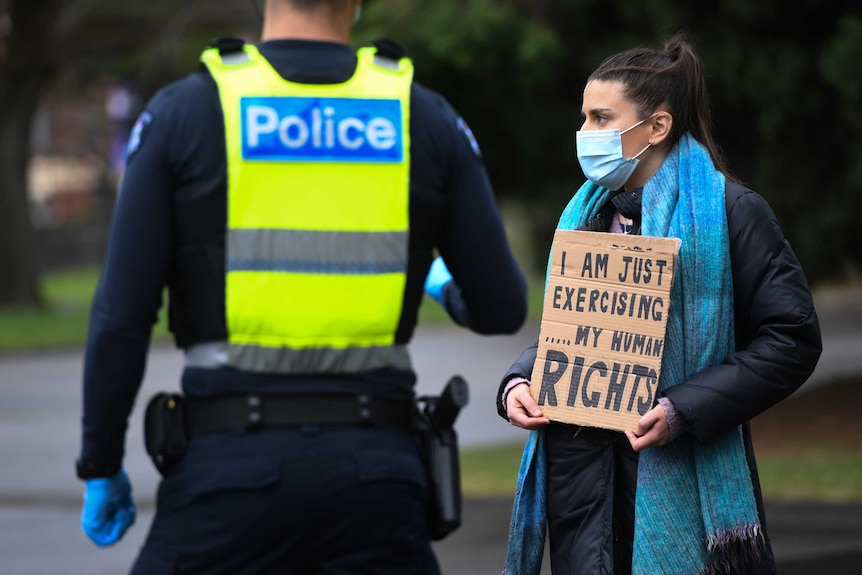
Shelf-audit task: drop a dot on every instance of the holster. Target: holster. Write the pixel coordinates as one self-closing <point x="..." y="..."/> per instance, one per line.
<point x="440" y="454"/>
<point x="439" y="445"/>
<point x="165" y="430"/>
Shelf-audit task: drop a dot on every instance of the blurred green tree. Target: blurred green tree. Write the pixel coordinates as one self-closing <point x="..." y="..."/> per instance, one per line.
<point x="785" y="83"/>
<point x="786" y="86"/>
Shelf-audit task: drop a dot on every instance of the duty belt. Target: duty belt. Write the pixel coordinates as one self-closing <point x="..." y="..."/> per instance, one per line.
<point x="250" y="412"/>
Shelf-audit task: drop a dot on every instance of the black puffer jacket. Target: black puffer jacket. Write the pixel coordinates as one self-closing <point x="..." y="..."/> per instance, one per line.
<point x="777" y="347"/>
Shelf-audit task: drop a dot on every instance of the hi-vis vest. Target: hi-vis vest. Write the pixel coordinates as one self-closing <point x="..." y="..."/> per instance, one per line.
<point x="317" y="225"/>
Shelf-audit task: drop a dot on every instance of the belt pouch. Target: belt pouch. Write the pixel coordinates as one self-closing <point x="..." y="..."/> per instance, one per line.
<point x="165" y="432"/>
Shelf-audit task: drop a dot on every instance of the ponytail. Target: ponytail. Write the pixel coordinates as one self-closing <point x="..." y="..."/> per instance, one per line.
<point x="671" y="78"/>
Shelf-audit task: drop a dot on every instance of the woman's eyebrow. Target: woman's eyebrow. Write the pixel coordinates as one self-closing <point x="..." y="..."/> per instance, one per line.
<point x="595" y="111"/>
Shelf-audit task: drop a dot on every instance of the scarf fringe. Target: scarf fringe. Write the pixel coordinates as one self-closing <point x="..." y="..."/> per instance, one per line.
<point x="732" y="549"/>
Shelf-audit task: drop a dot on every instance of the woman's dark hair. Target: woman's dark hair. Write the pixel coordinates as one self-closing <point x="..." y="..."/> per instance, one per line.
<point x="669" y="78"/>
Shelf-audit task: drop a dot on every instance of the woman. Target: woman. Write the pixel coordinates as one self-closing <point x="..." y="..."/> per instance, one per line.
<point x="680" y="493"/>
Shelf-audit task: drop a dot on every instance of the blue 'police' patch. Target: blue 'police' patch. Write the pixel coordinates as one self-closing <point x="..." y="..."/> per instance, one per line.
<point x="321" y="129"/>
<point x="144" y="120"/>
<point x="468" y="133"/>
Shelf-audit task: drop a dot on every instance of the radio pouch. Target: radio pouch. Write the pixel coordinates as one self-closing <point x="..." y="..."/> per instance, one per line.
<point x="165" y="432"/>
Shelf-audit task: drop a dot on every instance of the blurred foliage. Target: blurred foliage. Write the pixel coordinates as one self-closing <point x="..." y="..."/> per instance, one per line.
<point x="785" y="85"/>
<point x="148" y="44"/>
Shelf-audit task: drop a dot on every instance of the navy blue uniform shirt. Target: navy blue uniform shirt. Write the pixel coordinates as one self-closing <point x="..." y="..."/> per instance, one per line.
<point x="177" y="153"/>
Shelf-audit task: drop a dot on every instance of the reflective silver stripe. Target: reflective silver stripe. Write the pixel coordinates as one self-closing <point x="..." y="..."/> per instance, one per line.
<point x="317" y="360"/>
<point x="330" y="252"/>
<point x="390" y="63"/>
<point x="286" y="360"/>
<point x="208" y="355"/>
<point x="235" y="58"/>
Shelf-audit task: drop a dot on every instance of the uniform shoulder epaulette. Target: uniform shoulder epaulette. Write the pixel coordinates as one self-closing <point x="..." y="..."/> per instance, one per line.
<point x="389" y="49"/>
<point x="227" y="45"/>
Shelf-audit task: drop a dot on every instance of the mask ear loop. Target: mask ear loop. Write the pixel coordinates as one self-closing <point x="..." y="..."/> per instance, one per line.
<point x="635" y="126"/>
<point x="641" y="152"/>
<point x="632" y="127"/>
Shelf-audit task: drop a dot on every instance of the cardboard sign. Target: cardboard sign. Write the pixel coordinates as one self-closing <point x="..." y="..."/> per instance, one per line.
<point x="603" y="327"/>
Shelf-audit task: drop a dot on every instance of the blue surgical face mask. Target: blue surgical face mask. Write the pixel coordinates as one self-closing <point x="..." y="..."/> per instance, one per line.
<point x="600" y="153"/>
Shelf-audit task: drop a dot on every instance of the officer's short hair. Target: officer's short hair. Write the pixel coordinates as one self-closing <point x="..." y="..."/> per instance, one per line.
<point x="309" y="5"/>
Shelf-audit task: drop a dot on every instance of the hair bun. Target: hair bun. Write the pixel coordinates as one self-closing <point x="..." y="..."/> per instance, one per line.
<point x="675" y="46"/>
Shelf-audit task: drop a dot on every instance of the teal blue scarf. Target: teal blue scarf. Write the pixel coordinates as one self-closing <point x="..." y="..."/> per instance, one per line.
<point x="695" y="511"/>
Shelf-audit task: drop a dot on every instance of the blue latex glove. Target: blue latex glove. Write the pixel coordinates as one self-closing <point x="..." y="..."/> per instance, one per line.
<point x="438" y="276"/>
<point x="108" y="508"/>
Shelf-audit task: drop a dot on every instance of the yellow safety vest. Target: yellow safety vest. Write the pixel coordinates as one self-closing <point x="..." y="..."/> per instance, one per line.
<point x="317" y="224"/>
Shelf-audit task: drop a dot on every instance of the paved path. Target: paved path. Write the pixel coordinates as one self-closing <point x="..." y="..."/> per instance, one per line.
<point x="39" y="438"/>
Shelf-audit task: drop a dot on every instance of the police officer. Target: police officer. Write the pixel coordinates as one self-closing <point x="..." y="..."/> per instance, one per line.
<point x="290" y="195"/>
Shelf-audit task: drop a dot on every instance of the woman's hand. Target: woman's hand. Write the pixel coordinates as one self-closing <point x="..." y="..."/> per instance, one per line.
<point x="652" y="430"/>
<point x="522" y="410"/>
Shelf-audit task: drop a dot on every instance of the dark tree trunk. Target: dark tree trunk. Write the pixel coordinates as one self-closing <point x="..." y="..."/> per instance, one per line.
<point x="18" y="274"/>
<point x="24" y="74"/>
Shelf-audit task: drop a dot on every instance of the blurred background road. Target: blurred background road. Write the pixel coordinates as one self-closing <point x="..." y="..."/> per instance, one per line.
<point x="39" y="438"/>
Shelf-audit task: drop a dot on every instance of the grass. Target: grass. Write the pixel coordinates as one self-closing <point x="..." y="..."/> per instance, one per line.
<point x="67" y="295"/>
<point x="823" y="474"/>
<point x="62" y="322"/>
<point x="809" y="473"/>
<point x="491" y="471"/>
<point x="824" y="471"/>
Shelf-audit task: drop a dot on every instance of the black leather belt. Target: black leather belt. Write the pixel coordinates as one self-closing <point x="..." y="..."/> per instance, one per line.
<point x="249" y="412"/>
